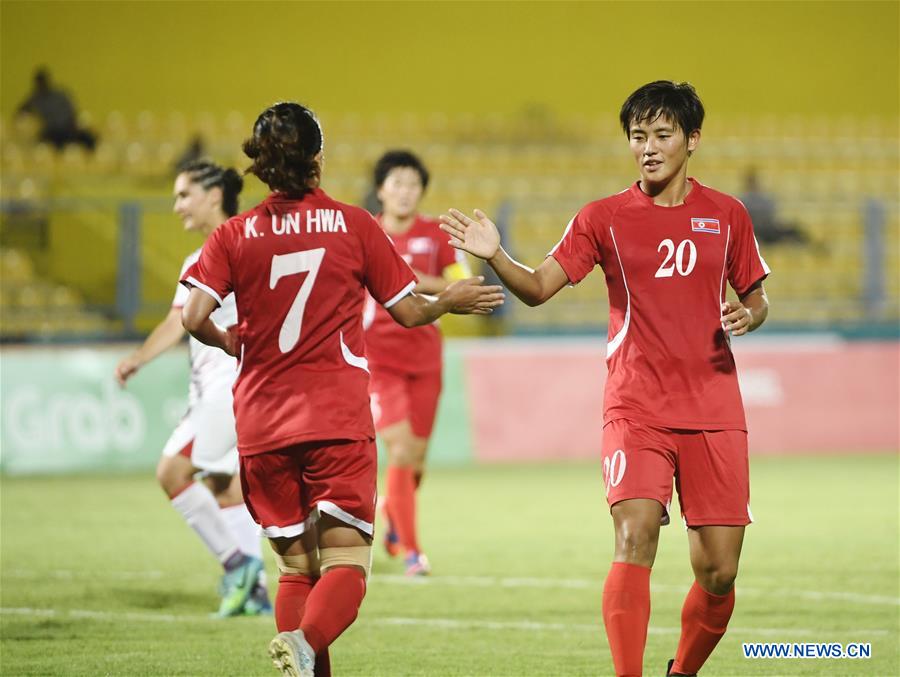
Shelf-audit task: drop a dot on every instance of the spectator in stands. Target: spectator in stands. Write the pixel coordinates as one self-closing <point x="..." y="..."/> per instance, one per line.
<point x="761" y="205"/>
<point x="56" y="112"/>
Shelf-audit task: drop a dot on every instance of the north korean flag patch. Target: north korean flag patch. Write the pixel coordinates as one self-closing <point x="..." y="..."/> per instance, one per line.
<point x="705" y="226"/>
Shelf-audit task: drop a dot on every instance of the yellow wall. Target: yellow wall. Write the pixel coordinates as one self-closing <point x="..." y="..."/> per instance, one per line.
<point x="750" y="57"/>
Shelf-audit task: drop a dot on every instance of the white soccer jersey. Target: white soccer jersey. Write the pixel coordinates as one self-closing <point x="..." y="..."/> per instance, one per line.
<point x="211" y="368"/>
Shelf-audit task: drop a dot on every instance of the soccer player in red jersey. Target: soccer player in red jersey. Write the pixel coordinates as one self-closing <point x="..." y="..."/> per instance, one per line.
<point x="299" y="265"/>
<point x="204" y="442"/>
<point x="406" y="363"/>
<point x="667" y="246"/>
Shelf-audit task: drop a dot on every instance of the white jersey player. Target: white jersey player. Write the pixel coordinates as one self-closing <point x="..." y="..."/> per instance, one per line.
<point x="206" y="434"/>
<point x="203" y="445"/>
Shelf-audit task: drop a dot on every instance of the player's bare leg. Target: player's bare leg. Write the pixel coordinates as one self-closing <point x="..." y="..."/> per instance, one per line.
<point x="636" y="523"/>
<point x="626" y="593"/>
<point x="174" y="473"/>
<point x="715" y="552"/>
<point x="406" y="457"/>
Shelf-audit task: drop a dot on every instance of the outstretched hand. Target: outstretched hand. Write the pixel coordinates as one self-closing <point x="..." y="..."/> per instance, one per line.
<point x="470" y="297"/>
<point x="479" y="236"/>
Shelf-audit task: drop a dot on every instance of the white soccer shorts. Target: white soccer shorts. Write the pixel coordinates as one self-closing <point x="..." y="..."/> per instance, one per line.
<point x="209" y="425"/>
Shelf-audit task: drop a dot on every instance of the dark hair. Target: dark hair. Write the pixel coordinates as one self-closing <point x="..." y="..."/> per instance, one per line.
<point x="286" y="139"/>
<point x="677" y="101"/>
<point x="210" y="175"/>
<point x="399" y="158"/>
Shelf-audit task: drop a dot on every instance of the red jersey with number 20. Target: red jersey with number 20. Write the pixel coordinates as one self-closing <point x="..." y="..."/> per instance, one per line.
<point x="670" y="362"/>
<point x="299" y="270"/>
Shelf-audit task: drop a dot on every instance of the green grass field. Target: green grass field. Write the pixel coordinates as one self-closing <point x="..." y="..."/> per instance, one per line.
<point x="101" y="577"/>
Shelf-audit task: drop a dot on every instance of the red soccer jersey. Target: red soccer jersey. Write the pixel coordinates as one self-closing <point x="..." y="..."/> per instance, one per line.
<point x="424" y="247"/>
<point x="669" y="360"/>
<point x="299" y="270"/>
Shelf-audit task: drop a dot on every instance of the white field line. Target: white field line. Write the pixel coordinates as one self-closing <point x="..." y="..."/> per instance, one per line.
<point x="66" y="575"/>
<point x="501" y="582"/>
<point x="441" y="623"/>
<point x="587" y="584"/>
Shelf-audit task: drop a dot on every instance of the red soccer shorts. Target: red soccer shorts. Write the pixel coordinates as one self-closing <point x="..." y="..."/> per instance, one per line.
<point x="283" y="488"/>
<point x="397" y="396"/>
<point x="710" y="468"/>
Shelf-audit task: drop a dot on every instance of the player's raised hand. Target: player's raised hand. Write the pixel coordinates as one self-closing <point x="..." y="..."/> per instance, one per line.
<point x="478" y="236"/>
<point x="470" y="297"/>
<point x="736" y="318"/>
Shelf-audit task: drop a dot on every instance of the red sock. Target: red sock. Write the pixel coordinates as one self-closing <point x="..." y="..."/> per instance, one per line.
<point x="290" y="601"/>
<point x="626" y="614"/>
<point x="332" y="606"/>
<point x="401" y="488"/>
<point x="704" y="619"/>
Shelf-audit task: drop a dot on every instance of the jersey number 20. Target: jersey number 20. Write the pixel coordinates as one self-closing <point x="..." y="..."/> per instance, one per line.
<point x="685" y="248"/>
<point x="294" y="263"/>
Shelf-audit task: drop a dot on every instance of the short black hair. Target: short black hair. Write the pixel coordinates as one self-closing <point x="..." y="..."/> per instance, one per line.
<point x="399" y="158"/>
<point x="677" y="101"/>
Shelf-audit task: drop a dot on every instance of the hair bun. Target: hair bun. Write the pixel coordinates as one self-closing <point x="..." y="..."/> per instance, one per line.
<point x="232" y="180"/>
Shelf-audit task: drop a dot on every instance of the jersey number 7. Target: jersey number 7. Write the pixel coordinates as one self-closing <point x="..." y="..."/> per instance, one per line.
<point x="283" y="265"/>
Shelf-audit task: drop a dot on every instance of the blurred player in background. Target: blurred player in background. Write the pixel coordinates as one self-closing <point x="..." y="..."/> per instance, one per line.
<point x="205" y="441"/>
<point x="406" y="363"/>
<point x="299" y="264"/>
<point x="673" y="409"/>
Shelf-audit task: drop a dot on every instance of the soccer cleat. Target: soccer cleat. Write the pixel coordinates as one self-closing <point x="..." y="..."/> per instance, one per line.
<point x="292" y="655"/>
<point x="669" y="672"/>
<point x="258" y="603"/>
<point x="417" y="564"/>
<point x="237" y="586"/>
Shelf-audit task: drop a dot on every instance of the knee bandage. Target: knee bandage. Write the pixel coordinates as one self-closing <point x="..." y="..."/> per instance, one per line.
<point x="305" y="564"/>
<point x="355" y="556"/>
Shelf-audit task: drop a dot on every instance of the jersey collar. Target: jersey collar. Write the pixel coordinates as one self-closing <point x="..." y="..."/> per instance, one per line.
<point x="690" y="198"/>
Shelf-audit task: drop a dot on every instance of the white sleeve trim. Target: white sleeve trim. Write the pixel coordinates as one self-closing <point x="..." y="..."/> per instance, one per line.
<point x="765" y="265"/>
<point x="194" y="282"/>
<point x="406" y="290"/>
<point x="565" y="232"/>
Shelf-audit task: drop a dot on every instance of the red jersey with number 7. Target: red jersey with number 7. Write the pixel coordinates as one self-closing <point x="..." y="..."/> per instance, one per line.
<point x="299" y="270"/>
<point x="669" y="359"/>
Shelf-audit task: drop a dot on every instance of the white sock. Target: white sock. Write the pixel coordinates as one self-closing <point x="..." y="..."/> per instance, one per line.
<point x="248" y="533"/>
<point x="201" y="511"/>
